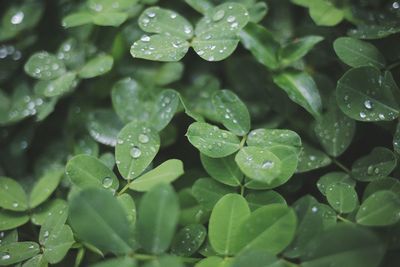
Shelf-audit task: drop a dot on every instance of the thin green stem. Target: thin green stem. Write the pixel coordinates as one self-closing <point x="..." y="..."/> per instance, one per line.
<point x="243" y="141"/>
<point x="340" y="165"/>
<point x="242" y="188"/>
<point x="128" y="183"/>
<point x="343" y="219"/>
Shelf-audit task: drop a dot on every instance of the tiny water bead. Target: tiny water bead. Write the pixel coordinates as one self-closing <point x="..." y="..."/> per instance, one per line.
<point x="363" y="115"/>
<point x="5" y="256"/>
<point x="107" y="182"/>
<point x="135" y="152"/>
<point x="17" y="18"/>
<point x="268" y="164"/>
<point x="145" y="38"/>
<point x="218" y="15"/>
<point x="143" y="138"/>
<point x="368" y="104"/>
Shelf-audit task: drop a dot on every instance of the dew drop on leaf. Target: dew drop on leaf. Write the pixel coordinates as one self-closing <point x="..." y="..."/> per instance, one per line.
<point x="5" y="256"/>
<point x="135" y="152"/>
<point x="143" y="138"/>
<point x="107" y="182"/>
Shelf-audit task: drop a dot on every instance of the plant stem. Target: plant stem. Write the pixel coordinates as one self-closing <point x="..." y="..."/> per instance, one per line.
<point x="343" y="219"/>
<point x="393" y="66"/>
<point x="124" y="188"/>
<point x="243" y="141"/>
<point x="340" y="165"/>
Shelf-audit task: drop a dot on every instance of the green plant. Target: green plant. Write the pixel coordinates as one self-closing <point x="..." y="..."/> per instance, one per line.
<point x="102" y="163"/>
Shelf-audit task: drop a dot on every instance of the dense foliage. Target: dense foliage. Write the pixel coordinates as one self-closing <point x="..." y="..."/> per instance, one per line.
<point x="207" y="133"/>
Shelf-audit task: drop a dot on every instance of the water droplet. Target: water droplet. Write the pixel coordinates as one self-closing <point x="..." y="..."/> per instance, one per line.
<point x="187" y="29"/>
<point x="145" y="38"/>
<point x="173" y="15"/>
<point x="107" y="182"/>
<point x="368" y="104"/>
<point x="381" y="116"/>
<point x="314" y="209"/>
<point x="46" y="234"/>
<point x="5" y="256"/>
<point x="231" y="19"/>
<point x="362" y="115"/>
<point x="15" y="205"/>
<point x="135" y="152"/>
<point x="17" y="18"/>
<point x="267" y="164"/>
<point x="219" y="15"/>
<point x="370" y="169"/>
<point x="151" y="14"/>
<point x="143" y="138"/>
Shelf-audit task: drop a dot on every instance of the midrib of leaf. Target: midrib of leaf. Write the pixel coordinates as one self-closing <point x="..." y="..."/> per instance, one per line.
<point x="355" y="51"/>
<point x="270" y="228"/>
<point x="229" y="230"/>
<point x="381" y="209"/>
<point x="230" y="170"/>
<point x="89" y="174"/>
<point x="158" y="221"/>
<point x="153" y="177"/>
<point x="101" y="221"/>
<point x="217" y="140"/>
<point x="367" y="96"/>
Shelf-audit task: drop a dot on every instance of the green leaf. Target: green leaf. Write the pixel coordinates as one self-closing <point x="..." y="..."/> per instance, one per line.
<point x="257" y="11"/>
<point x="374" y="31"/>
<point x="200" y="6"/>
<point x="216" y="46"/>
<point x="272" y="137"/>
<point x="87" y="171"/>
<point x="165" y="21"/>
<point x="107" y="217"/>
<point x="335" y="130"/>
<point x="367" y="99"/>
<point x="128" y="101"/>
<point x="388" y="183"/>
<point x="36" y="261"/>
<point x="120" y="262"/>
<point x="379" y="209"/>
<point x="165" y="106"/>
<point x="165" y="260"/>
<point x="104" y="125"/>
<point x="333" y="177"/>
<point x="10" y="220"/>
<point x="310" y="225"/>
<point x="297" y="49"/>
<point x="167" y="172"/>
<point x="44" y="66"/>
<point x="188" y="240"/>
<point x="324" y="13"/>
<point x="232" y="112"/>
<point x="260" y="199"/>
<point x="110" y="18"/>
<point x="357" y="53"/>
<point x="214" y="261"/>
<point x="105" y="5"/>
<point x="302" y="90"/>
<point x="56" y="237"/>
<point x="207" y="192"/>
<point x="211" y="140"/>
<point x="226" y="19"/>
<point x="77" y="19"/>
<point x="396" y="139"/>
<point x="160" y="47"/>
<point x="346" y="245"/>
<point x="97" y="66"/>
<point x="342" y="197"/>
<point x="261" y="44"/>
<point x="42" y="213"/>
<point x="129" y="206"/>
<point x="8" y="237"/>
<point x="224" y="170"/>
<point x="257" y="258"/>
<point x="44" y="187"/>
<point x="311" y="158"/>
<point x="259" y="164"/>
<point x="158" y="217"/>
<point x="226" y="218"/>
<point x="17" y="252"/>
<point x="379" y="163"/>
<point x="58" y="86"/>
<point x="136" y="147"/>
<point x="270" y="228"/>
<point x="12" y="195"/>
